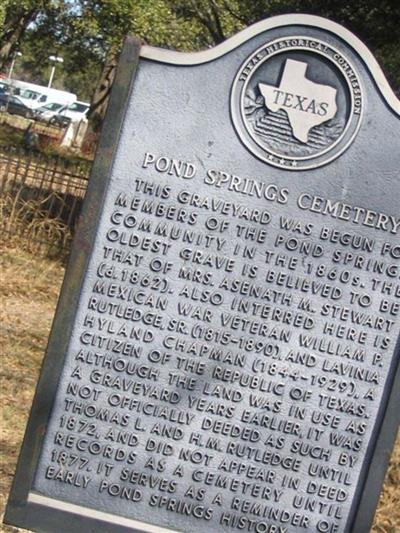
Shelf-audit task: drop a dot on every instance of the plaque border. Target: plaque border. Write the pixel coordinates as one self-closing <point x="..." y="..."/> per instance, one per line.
<point x="25" y="513"/>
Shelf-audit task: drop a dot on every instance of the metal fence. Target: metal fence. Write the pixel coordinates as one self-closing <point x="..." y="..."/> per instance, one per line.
<point x="41" y="198"/>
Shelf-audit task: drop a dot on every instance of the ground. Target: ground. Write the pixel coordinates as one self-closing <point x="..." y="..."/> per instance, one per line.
<point x="29" y="287"/>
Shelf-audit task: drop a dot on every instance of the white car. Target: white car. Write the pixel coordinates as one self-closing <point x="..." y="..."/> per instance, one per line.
<point x="46" y="112"/>
<point x="76" y="111"/>
<point x="35" y="96"/>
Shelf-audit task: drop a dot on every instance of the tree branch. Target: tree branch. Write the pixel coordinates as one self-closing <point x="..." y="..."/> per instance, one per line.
<point x="208" y="22"/>
<point x="236" y="15"/>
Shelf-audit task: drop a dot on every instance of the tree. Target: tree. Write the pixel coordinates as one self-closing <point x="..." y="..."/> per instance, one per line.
<point x="89" y="33"/>
<point x="216" y="17"/>
<point x="197" y="24"/>
<point x="81" y="67"/>
<point x="15" y="18"/>
<point x="377" y="24"/>
<point x="103" y="24"/>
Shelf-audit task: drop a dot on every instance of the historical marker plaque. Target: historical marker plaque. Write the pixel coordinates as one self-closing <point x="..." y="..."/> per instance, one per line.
<point x="224" y="353"/>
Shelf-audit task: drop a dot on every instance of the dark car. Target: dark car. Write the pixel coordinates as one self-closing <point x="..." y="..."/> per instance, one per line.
<point x="14" y="105"/>
<point x="60" y="120"/>
<point x="4" y="87"/>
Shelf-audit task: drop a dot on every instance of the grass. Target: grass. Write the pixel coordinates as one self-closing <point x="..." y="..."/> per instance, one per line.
<point x="11" y="136"/>
<point x="28" y="219"/>
<point x="28" y="293"/>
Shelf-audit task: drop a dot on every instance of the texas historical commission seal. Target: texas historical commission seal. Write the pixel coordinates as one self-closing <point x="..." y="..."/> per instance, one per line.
<point x="296" y="103"/>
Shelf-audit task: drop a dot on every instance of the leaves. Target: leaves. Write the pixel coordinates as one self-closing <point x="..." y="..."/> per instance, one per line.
<point x="83" y="32"/>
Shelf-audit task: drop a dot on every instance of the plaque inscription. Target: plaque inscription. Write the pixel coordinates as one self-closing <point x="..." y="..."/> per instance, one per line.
<point x="233" y="345"/>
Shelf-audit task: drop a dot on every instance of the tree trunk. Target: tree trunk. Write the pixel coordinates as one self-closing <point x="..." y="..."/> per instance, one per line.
<point x="15" y="25"/>
<point x="99" y="103"/>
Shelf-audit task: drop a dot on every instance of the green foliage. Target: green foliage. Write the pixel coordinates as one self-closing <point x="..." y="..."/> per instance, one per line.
<point x="102" y="24"/>
<point x="377" y="24"/>
<point x="3" y="7"/>
<point x="83" y="32"/>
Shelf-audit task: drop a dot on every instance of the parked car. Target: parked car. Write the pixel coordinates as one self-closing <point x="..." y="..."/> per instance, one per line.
<point x="14" y="105"/>
<point x="60" y="120"/>
<point x="74" y="113"/>
<point x="46" y="112"/>
<point x="35" y="96"/>
<point x="4" y="87"/>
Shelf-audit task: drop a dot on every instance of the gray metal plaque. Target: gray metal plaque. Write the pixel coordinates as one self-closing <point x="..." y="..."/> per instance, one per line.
<point x="223" y="357"/>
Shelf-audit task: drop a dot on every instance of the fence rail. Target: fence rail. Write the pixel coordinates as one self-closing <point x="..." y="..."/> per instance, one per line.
<point x="41" y="198"/>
